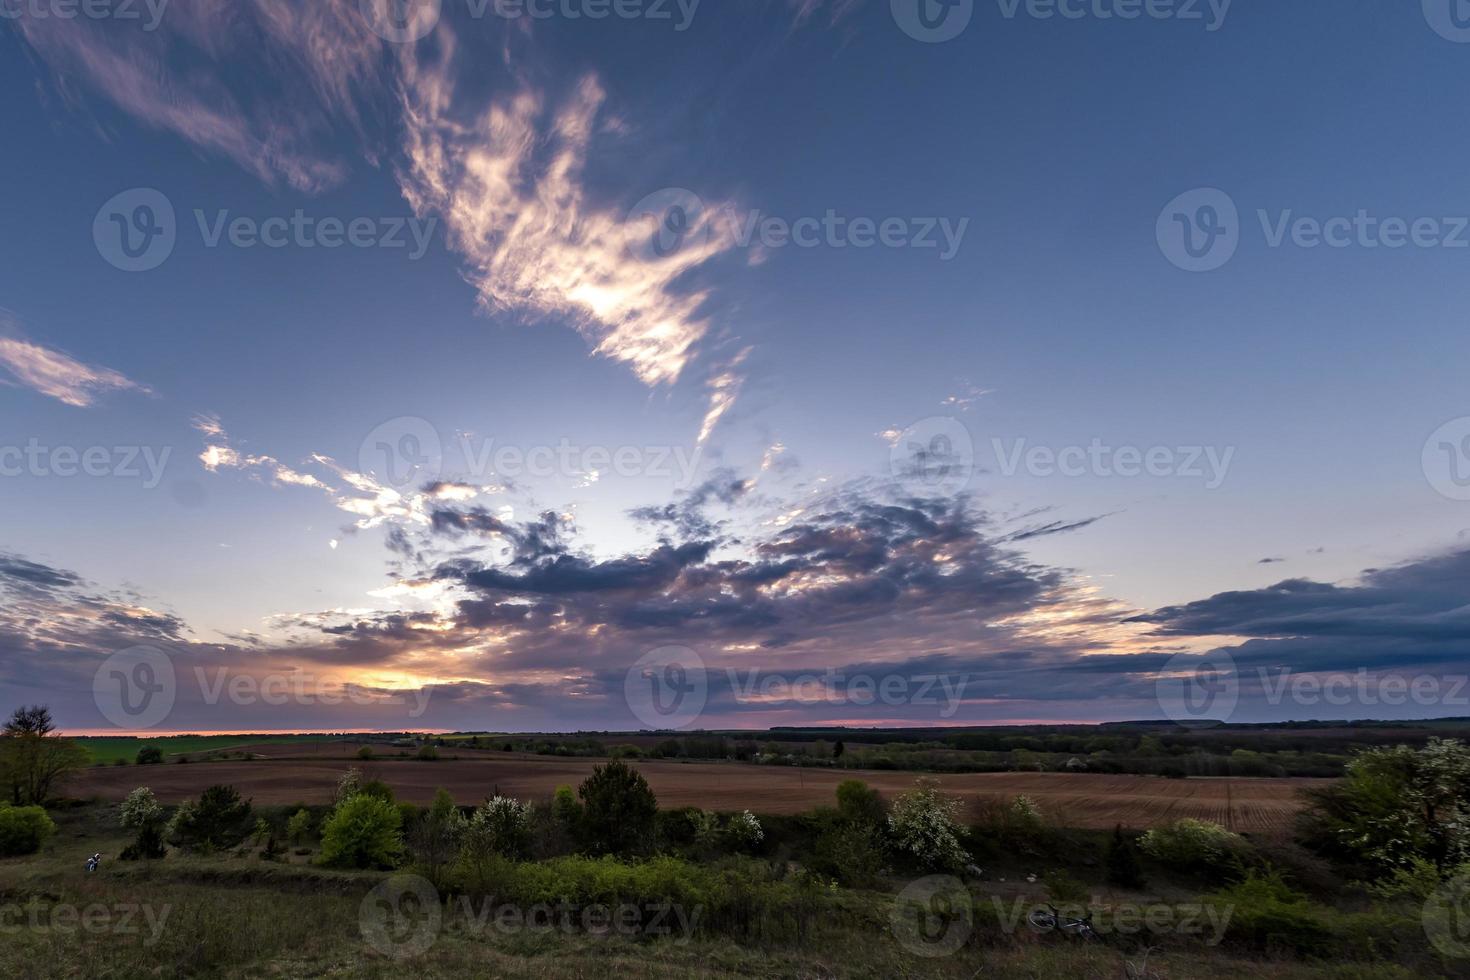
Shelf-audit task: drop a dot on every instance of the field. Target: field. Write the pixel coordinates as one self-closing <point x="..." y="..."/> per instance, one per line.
<point x="308" y="774"/>
<point x="111" y="748"/>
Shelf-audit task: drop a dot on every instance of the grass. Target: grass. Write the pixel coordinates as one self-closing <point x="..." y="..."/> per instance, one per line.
<point x="238" y="916"/>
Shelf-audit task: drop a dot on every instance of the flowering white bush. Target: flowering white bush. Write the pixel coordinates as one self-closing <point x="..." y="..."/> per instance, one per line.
<point x="744" y="830"/>
<point x="501" y="825"/>
<point x="141" y="809"/>
<point x="922" y="823"/>
<point x="349" y="784"/>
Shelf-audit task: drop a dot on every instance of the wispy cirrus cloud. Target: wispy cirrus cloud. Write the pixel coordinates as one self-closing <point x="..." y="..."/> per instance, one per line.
<point x="59" y="375"/>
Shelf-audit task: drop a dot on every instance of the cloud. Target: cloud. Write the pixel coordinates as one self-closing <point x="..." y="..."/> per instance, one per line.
<point x="508" y="181"/>
<point x="58" y="375"/>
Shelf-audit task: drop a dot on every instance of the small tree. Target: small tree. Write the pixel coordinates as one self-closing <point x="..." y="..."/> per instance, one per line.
<point x="141" y="812"/>
<point x="150" y="755"/>
<point x="436" y="836"/>
<point x="363" y="832"/>
<point x="860" y="803"/>
<point x="922" y="823"/>
<point x="618" y="810"/>
<point x="298" y="828"/>
<point x="744" y="831"/>
<point x="219" y="819"/>
<point x="1395" y="805"/>
<point x="33" y="757"/>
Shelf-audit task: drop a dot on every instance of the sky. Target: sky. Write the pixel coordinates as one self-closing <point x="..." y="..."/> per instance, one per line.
<point x="518" y="365"/>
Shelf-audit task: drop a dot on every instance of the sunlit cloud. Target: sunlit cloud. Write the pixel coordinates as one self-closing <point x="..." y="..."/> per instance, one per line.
<point x="59" y="376"/>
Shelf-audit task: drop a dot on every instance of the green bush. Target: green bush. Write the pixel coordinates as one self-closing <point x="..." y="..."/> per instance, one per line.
<point x="363" y="832"/>
<point x="852" y="853"/>
<point x="299" y="826"/>
<point x="1269" y="916"/>
<point x="1198" y="846"/>
<point x="150" y="755"/>
<point x="23" y="829"/>
<point x="219" y="819"/>
<point x="922" y="826"/>
<point x="859" y="803"/>
<point x="618" y="810"/>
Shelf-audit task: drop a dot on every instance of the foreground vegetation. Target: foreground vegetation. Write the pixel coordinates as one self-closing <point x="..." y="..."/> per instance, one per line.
<point x="598" y="880"/>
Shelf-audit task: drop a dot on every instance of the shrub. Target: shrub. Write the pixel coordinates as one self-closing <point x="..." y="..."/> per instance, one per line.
<point x="218" y="820"/>
<point x="500" y="826"/>
<point x="744" y="831"/>
<point x="436" y="836"/>
<point x="922" y="823"/>
<point x="23" y="829"/>
<point x="1267" y="915"/>
<point x="618" y="810"/>
<point x="1196" y="845"/>
<point x="428" y="753"/>
<point x="142" y="812"/>
<point x="851" y="853"/>
<point x="859" y="802"/>
<point x="1062" y="888"/>
<point x="363" y="832"/>
<point x="150" y="755"/>
<point x="299" y="826"/>
<point x="1395" y="805"/>
<point x="365" y="753"/>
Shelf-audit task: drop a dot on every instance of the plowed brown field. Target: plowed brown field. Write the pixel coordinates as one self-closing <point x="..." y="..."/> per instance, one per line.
<point x="1261" y="806"/>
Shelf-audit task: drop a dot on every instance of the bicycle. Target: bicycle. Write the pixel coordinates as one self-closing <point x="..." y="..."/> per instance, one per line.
<point x="1051" y="919"/>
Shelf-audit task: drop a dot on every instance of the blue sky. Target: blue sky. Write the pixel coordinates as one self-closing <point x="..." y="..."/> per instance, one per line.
<point x="769" y="394"/>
